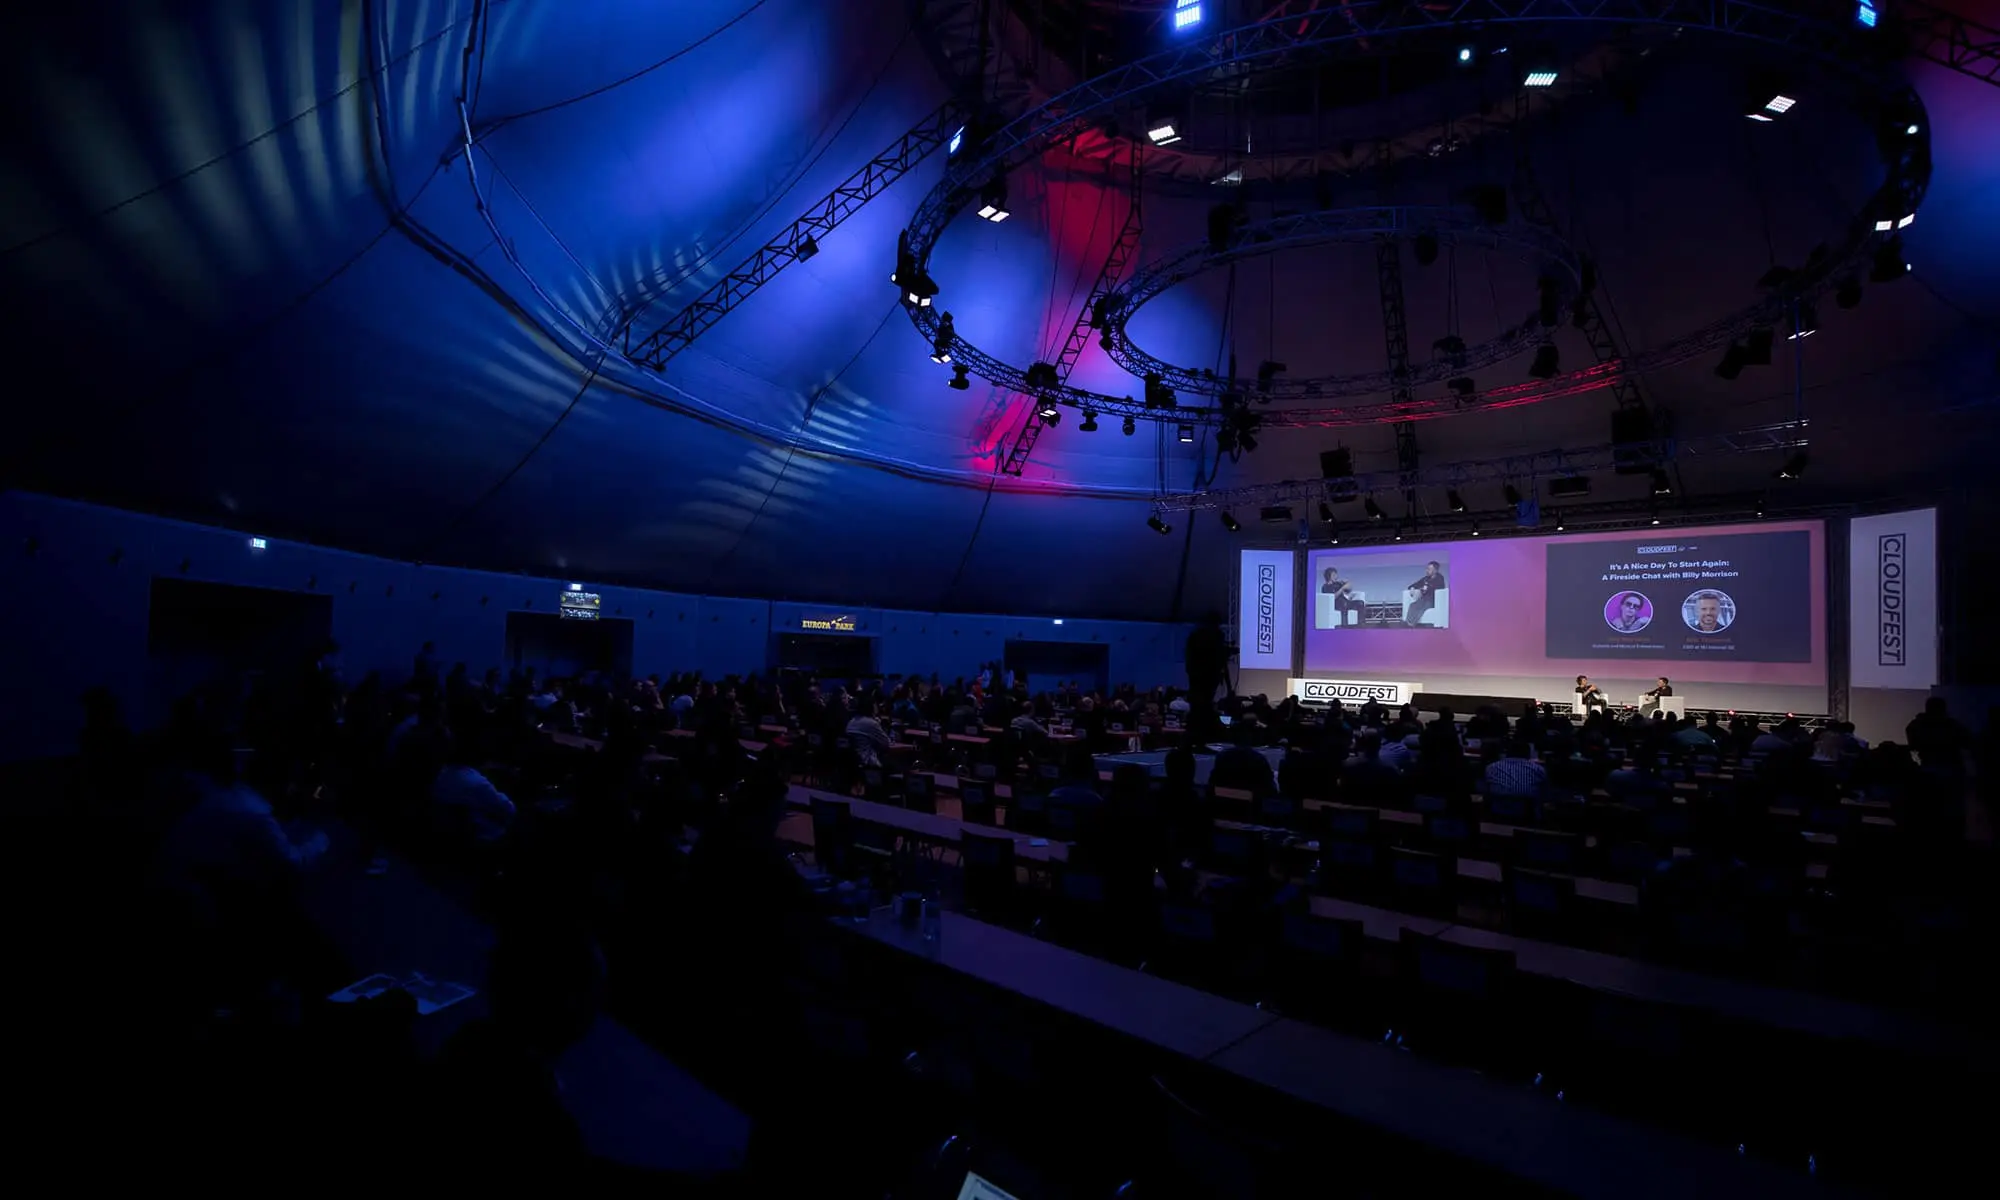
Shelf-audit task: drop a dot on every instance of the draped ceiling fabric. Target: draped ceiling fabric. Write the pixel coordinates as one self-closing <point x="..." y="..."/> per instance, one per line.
<point x="252" y="277"/>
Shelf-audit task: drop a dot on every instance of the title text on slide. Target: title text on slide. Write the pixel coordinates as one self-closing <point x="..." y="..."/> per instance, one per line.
<point x="1631" y="572"/>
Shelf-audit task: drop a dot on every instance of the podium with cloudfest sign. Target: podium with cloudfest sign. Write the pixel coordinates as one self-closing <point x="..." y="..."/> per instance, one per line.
<point x="1354" y="691"/>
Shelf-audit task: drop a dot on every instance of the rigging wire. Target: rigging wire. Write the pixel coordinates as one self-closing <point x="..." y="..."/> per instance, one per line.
<point x="641" y="73"/>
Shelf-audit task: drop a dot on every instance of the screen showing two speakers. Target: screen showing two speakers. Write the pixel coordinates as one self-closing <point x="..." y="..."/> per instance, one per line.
<point x="1741" y="604"/>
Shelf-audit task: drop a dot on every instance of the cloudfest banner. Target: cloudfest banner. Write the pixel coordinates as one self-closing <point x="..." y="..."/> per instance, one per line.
<point x="1264" y="607"/>
<point x="1892" y="610"/>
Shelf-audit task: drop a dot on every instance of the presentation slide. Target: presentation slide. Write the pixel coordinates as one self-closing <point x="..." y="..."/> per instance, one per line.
<point x="1741" y="597"/>
<point x="1736" y="604"/>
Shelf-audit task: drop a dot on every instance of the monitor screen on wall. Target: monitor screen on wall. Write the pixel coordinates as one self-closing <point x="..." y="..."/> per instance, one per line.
<point x="1743" y="604"/>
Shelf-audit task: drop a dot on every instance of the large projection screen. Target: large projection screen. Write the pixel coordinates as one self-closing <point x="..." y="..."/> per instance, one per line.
<point x="1735" y="616"/>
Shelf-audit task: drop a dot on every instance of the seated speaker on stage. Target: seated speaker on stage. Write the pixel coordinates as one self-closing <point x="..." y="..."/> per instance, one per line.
<point x="1426" y="598"/>
<point x="1662" y="689"/>
<point x="1337" y="599"/>
<point x="1589" y="695"/>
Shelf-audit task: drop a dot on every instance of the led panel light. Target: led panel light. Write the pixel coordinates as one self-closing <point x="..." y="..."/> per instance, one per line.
<point x="1539" y="79"/>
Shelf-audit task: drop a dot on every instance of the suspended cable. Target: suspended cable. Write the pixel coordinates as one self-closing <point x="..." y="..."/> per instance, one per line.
<point x="620" y="82"/>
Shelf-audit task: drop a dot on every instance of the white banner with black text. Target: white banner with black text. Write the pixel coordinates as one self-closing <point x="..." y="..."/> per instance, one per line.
<point x="1264" y="640"/>
<point x="1892" y="603"/>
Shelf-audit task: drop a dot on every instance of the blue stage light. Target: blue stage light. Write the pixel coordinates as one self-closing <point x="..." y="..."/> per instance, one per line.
<point x="1865" y="15"/>
<point x="1187" y="14"/>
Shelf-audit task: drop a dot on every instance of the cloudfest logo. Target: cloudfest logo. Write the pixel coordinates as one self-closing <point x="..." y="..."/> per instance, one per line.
<point x="1891" y="642"/>
<point x="1361" y="693"/>
<point x="1267" y="608"/>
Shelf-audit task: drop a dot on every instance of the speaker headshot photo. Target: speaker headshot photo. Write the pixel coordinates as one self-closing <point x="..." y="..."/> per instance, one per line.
<point x="1708" y="611"/>
<point x="1628" y="612"/>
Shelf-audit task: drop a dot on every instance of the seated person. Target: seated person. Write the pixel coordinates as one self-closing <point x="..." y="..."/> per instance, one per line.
<point x="1345" y="600"/>
<point x="1660" y="691"/>
<point x="865" y="733"/>
<point x="465" y="799"/>
<point x="1422" y="595"/>
<point x="1588" y="694"/>
<point x="1517" y="773"/>
<point x="1027" y="726"/>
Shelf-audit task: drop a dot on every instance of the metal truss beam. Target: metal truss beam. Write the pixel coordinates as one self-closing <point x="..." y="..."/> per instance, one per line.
<point x="1585" y="460"/>
<point x="1587" y="316"/>
<point x="1599" y="516"/>
<point x="792" y="244"/>
<point x="1396" y="337"/>
<point x="1945" y="38"/>
<point x="1818" y="35"/>
<point x="1123" y="249"/>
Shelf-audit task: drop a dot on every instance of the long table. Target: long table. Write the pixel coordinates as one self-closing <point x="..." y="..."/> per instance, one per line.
<point x="1527" y="1134"/>
<point x="1775" y="1007"/>
<point x="633" y="1105"/>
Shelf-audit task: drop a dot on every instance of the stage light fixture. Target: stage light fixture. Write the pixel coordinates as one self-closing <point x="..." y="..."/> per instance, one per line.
<point x="1373" y="509"/>
<point x="941" y="343"/>
<point x="1757" y="346"/>
<point x="1131" y="426"/>
<point x="1454" y="500"/>
<point x="1465" y="56"/>
<point x="1163" y="130"/>
<point x="1771" y="106"/>
<point x="920" y="290"/>
<point x="1187" y="15"/>
<point x="1326" y="512"/>
<point x="1889" y="264"/>
<point x="1512" y="495"/>
<point x="1540" y="75"/>
<point x="1806" y="324"/>
<point x="1570" y="486"/>
<point x="1186" y="434"/>
<point x="805" y="248"/>
<point x="1662" y="486"/>
<point x="1089" y="422"/>
<point x="1733" y="362"/>
<point x="1230" y="523"/>
<point x="1462" y="389"/>
<point x="1157" y="525"/>
<point x="1267" y="371"/>
<point x="1399" y="534"/>
<point x="1048" y="412"/>
<point x="1794" y="468"/>
<point x="1656" y="518"/>
<point x="955" y="142"/>
<point x="993" y="202"/>
<point x="1560" y="526"/>
<point x="1548" y="362"/>
<point x="1475" y="529"/>
<point x="959" y="382"/>
<point x="1865" y="15"/>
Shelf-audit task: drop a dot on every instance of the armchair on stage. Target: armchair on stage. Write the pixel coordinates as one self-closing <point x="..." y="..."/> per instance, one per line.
<point x="1439" y="615"/>
<point x="1677" y="705"/>
<point x="1329" y="614"/>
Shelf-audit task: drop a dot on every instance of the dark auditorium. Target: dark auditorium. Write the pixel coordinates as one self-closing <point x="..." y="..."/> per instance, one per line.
<point x="1002" y="599"/>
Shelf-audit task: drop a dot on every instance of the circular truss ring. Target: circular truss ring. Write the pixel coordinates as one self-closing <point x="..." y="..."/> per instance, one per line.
<point x="1554" y="258"/>
<point x="1834" y="45"/>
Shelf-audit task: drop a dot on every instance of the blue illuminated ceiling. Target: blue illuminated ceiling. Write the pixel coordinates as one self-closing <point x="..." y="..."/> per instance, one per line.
<point x="253" y="278"/>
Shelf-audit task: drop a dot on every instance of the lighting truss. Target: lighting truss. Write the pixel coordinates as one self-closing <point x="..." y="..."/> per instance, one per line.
<point x="1945" y="38"/>
<point x="846" y="199"/>
<point x="1133" y="85"/>
<point x="1123" y="248"/>
<point x="1601" y="459"/>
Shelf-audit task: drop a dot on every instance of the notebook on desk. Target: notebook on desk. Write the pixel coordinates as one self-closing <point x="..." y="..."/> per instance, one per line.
<point x="977" y="1187"/>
